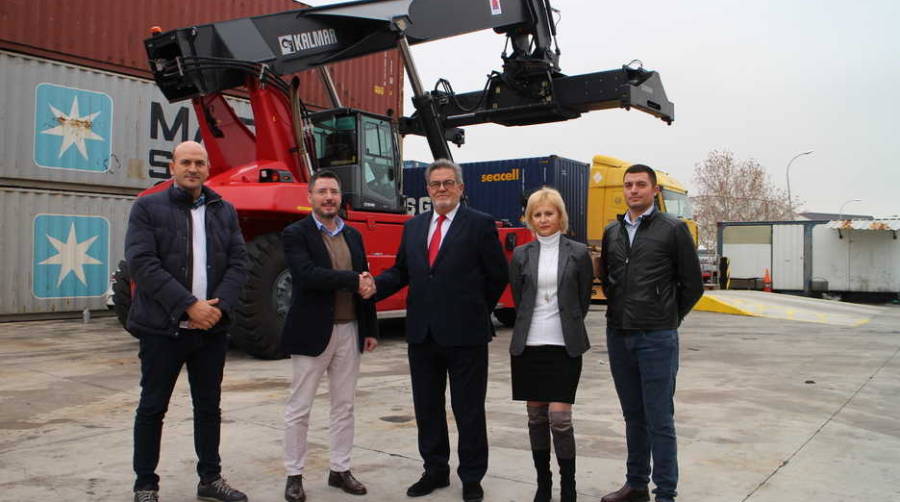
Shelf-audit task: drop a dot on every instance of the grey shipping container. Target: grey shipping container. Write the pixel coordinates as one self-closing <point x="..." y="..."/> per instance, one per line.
<point x="74" y="128"/>
<point x="109" y="35"/>
<point x="497" y="187"/>
<point x="58" y="249"/>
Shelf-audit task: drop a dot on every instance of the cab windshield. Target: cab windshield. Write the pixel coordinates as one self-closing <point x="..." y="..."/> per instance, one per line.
<point x="677" y="204"/>
<point x="336" y="142"/>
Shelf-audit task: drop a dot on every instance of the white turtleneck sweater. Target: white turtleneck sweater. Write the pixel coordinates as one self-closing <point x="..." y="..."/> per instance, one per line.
<point x="546" y="328"/>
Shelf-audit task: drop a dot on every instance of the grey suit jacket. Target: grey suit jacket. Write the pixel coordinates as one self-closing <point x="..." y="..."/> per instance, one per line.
<point x="575" y="275"/>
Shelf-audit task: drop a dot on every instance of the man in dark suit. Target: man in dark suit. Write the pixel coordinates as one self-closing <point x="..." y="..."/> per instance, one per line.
<point x="452" y="261"/>
<point x="329" y="324"/>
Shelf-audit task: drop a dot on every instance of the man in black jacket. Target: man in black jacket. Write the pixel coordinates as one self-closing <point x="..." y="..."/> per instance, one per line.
<point x="651" y="278"/>
<point x="328" y="325"/>
<point x="452" y="261"/>
<point x="187" y="259"/>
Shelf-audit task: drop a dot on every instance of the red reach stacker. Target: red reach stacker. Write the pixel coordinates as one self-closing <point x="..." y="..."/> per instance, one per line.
<point x="264" y="172"/>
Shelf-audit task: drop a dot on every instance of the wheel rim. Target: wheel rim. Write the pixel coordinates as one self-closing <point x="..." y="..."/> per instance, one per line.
<point x="281" y="293"/>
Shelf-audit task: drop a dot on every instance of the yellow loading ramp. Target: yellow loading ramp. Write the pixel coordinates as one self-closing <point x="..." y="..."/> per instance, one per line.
<point x="790" y="307"/>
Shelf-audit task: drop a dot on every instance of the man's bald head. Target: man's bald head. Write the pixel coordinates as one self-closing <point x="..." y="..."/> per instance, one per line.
<point x="189" y="146"/>
<point x="190" y="167"/>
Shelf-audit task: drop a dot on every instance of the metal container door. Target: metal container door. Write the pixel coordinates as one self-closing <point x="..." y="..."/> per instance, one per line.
<point x="787" y="257"/>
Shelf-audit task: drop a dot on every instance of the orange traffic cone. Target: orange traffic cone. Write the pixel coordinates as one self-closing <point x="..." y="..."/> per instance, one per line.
<point x="767" y="282"/>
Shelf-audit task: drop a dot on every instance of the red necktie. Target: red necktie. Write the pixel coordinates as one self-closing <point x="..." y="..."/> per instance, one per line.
<point x="435" y="245"/>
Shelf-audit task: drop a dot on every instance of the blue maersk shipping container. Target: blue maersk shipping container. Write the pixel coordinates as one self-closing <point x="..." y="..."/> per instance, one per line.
<point x="496" y="187"/>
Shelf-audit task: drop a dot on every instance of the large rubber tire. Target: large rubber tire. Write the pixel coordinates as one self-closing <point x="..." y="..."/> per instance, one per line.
<point x="264" y="301"/>
<point x="506" y="316"/>
<point x="121" y="287"/>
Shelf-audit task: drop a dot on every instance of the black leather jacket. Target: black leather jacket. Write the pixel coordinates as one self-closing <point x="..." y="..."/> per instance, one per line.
<point x="653" y="283"/>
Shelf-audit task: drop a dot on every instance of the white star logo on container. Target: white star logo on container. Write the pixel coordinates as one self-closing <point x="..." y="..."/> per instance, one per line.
<point x="72" y="255"/>
<point x="73" y="129"/>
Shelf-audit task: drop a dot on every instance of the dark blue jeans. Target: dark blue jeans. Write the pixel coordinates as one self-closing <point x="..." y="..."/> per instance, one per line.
<point x="161" y="362"/>
<point x="644" y="365"/>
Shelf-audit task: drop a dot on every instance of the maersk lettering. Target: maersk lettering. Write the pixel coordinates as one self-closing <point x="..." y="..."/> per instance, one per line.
<point x="511" y="175"/>
<point x="159" y="164"/>
<point x="169" y="126"/>
<point x="307" y="40"/>
<point x="181" y="124"/>
<point x="158" y="120"/>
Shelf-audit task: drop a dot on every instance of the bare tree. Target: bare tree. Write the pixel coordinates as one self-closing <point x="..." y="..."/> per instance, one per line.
<point x="734" y="190"/>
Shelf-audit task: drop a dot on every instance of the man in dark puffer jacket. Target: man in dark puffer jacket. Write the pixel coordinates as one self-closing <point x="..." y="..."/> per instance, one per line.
<point x="187" y="258"/>
<point x="651" y="278"/>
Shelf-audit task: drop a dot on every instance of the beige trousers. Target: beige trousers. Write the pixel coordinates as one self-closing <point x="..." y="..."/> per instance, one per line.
<point x="341" y="361"/>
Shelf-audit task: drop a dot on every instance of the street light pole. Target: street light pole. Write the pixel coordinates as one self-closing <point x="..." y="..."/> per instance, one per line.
<point x="841" y="210"/>
<point x="787" y="174"/>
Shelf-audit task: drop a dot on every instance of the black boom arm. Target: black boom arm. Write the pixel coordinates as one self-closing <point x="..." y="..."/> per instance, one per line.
<point x="198" y="60"/>
<point x="211" y="58"/>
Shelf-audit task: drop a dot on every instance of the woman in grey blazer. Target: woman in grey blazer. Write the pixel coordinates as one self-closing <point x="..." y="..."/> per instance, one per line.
<point x="551" y="283"/>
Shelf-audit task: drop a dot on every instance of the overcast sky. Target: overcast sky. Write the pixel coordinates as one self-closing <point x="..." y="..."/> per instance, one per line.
<point x="763" y="79"/>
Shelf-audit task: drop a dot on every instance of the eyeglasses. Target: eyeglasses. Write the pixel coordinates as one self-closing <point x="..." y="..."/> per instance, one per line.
<point x="448" y="184"/>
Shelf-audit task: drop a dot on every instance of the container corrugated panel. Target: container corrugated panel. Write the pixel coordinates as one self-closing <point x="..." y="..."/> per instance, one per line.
<point x="496" y="187"/>
<point x="58" y="249"/>
<point x="373" y="83"/>
<point x="70" y="126"/>
<point x="572" y="179"/>
<point x="109" y="35"/>
<point x="417" y="199"/>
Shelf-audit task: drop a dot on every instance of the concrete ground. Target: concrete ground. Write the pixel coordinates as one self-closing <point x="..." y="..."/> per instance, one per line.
<point x="767" y="410"/>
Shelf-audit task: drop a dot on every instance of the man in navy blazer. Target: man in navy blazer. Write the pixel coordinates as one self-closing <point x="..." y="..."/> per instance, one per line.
<point x="452" y="261"/>
<point x="329" y="324"/>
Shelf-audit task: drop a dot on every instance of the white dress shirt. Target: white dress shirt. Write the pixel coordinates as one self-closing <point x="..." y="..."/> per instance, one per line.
<point x="444" y="228"/>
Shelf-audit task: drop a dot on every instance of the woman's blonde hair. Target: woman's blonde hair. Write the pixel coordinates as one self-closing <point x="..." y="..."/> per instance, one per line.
<point x="550" y="196"/>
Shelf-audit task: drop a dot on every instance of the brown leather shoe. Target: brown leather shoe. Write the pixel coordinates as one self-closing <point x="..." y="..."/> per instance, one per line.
<point x="293" y="490"/>
<point x="627" y="494"/>
<point x="345" y="481"/>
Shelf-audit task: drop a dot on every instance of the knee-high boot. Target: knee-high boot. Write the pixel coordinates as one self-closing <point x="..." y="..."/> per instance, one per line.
<point x="544" y="476"/>
<point x="539" y="434"/>
<point x="564" y="444"/>
<point x="567" y="479"/>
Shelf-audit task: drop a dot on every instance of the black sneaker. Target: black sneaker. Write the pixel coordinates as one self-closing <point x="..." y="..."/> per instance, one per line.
<point x="219" y="490"/>
<point x="146" y="496"/>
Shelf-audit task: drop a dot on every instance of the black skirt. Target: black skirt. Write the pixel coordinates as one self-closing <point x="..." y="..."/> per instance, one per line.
<point x="545" y="373"/>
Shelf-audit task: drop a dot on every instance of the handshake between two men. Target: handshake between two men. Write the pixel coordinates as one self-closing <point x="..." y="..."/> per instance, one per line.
<point x="204" y="314"/>
<point x="366" y="285"/>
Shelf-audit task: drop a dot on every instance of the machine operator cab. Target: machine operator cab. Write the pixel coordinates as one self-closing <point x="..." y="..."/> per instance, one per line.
<point x="362" y="149"/>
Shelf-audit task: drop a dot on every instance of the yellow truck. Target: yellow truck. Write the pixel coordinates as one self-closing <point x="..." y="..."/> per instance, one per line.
<point x="606" y="201"/>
